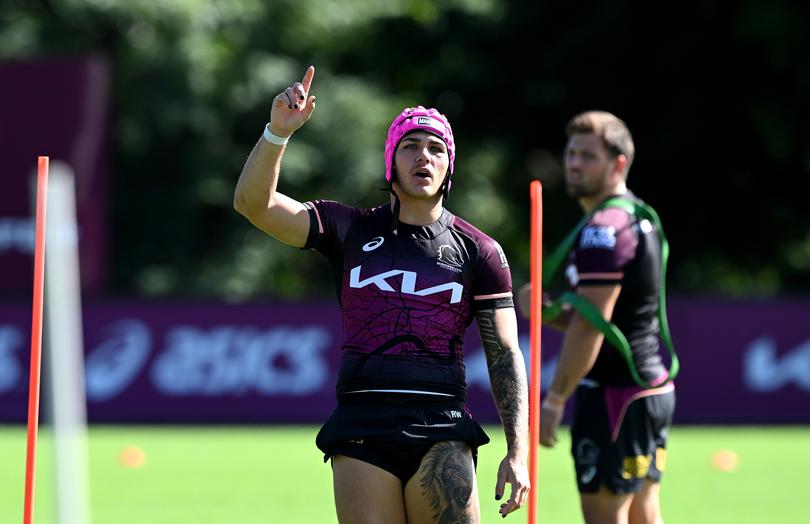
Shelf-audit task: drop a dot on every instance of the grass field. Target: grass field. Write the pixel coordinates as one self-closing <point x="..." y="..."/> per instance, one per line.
<point x="193" y="475"/>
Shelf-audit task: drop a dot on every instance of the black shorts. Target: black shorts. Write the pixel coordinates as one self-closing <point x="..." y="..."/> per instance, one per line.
<point x="394" y="431"/>
<point x="619" y="436"/>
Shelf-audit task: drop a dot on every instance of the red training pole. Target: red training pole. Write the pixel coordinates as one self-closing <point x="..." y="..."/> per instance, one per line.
<point x="536" y="261"/>
<point x="36" y="339"/>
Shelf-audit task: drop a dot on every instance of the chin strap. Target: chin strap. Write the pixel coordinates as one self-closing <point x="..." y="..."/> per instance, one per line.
<point x="394" y="208"/>
<point x="395" y="213"/>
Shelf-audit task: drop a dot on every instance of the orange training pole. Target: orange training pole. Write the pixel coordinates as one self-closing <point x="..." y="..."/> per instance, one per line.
<point x="536" y="191"/>
<point x="36" y="339"/>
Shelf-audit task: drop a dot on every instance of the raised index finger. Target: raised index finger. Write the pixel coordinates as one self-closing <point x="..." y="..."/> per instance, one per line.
<point x="308" y="76"/>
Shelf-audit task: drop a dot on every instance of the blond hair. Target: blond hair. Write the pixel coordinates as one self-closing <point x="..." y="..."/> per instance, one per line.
<point x="611" y="129"/>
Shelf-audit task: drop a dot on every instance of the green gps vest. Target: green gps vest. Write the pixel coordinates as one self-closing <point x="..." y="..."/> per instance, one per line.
<point x="588" y="311"/>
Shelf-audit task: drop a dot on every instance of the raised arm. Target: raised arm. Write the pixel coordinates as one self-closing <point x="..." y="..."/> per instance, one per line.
<point x="507" y="375"/>
<point x="280" y="216"/>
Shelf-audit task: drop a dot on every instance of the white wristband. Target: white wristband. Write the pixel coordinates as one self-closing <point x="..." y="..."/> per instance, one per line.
<point x="274" y="139"/>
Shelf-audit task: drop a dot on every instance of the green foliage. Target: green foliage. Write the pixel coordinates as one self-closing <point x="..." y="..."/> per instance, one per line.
<point x="714" y="97"/>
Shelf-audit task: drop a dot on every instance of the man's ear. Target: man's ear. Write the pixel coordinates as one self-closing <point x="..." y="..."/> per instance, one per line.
<point x="620" y="164"/>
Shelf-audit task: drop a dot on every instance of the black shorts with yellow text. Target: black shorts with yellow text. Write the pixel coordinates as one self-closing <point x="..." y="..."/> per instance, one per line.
<point x="619" y="436"/>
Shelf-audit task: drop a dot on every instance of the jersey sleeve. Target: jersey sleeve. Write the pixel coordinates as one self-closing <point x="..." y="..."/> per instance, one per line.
<point x="328" y="223"/>
<point x="605" y="246"/>
<point x="492" y="284"/>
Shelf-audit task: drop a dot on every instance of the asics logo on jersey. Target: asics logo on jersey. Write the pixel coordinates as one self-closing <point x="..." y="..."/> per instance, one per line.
<point x="408" y="285"/>
<point x="374" y="244"/>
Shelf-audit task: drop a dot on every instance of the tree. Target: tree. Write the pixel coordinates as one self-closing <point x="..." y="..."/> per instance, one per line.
<point x="714" y="95"/>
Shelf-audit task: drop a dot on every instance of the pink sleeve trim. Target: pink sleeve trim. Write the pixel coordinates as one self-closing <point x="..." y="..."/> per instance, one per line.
<point x="496" y="295"/>
<point x="601" y="276"/>
<point x="318" y="216"/>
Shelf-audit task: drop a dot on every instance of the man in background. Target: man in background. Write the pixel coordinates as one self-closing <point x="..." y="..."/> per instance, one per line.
<point x="619" y="429"/>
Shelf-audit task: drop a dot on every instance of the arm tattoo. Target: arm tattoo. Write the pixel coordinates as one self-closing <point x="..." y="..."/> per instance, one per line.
<point x="447" y="478"/>
<point x="509" y="389"/>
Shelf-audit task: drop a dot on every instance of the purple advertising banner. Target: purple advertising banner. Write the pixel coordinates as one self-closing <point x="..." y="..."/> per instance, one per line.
<point x="56" y="109"/>
<point x="276" y="363"/>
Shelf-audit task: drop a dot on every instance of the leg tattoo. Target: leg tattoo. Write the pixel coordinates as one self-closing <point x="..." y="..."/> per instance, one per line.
<point x="447" y="483"/>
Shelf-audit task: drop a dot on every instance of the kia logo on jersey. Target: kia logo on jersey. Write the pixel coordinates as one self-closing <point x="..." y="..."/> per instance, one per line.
<point x="408" y="285"/>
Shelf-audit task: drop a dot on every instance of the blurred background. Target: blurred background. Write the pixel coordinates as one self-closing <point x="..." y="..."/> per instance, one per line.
<point x="191" y="315"/>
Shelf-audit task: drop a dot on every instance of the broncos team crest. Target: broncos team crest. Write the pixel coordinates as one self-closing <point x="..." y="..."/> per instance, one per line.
<point x="449" y="258"/>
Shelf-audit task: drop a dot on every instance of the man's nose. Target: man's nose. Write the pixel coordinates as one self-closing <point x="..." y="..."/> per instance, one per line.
<point x="423" y="155"/>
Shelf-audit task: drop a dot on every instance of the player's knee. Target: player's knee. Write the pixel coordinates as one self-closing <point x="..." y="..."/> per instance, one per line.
<point x="600" y="514"/>
<point x="605" y="507"/>
<point x="645" y="515"/>
<point x="645" y="508"/>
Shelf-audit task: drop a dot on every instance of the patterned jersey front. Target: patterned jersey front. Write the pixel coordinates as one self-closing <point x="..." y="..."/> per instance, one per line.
<point x="407" y="295"/>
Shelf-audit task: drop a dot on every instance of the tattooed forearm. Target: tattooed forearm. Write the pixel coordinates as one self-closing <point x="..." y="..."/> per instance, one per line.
<point x="447" y="478"/>
<point x="507" y="376"/>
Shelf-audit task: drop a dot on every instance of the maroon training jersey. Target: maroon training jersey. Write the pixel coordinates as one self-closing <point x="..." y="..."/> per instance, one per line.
<point x="615" y="247"/>
<point x="406" y="296"/>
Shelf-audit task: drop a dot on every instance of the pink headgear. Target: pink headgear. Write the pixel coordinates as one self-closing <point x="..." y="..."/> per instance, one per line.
<point x="419" y="119"/>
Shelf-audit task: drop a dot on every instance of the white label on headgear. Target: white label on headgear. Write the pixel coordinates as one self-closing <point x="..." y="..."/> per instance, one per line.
<point x="427" y="121"/>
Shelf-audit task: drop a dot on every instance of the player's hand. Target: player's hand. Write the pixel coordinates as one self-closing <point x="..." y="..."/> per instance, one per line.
<point x="524" y="297"/>
<point x="293" y="106"/>
<point x="512" y="472"/>
<point x="550" y="417"/>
